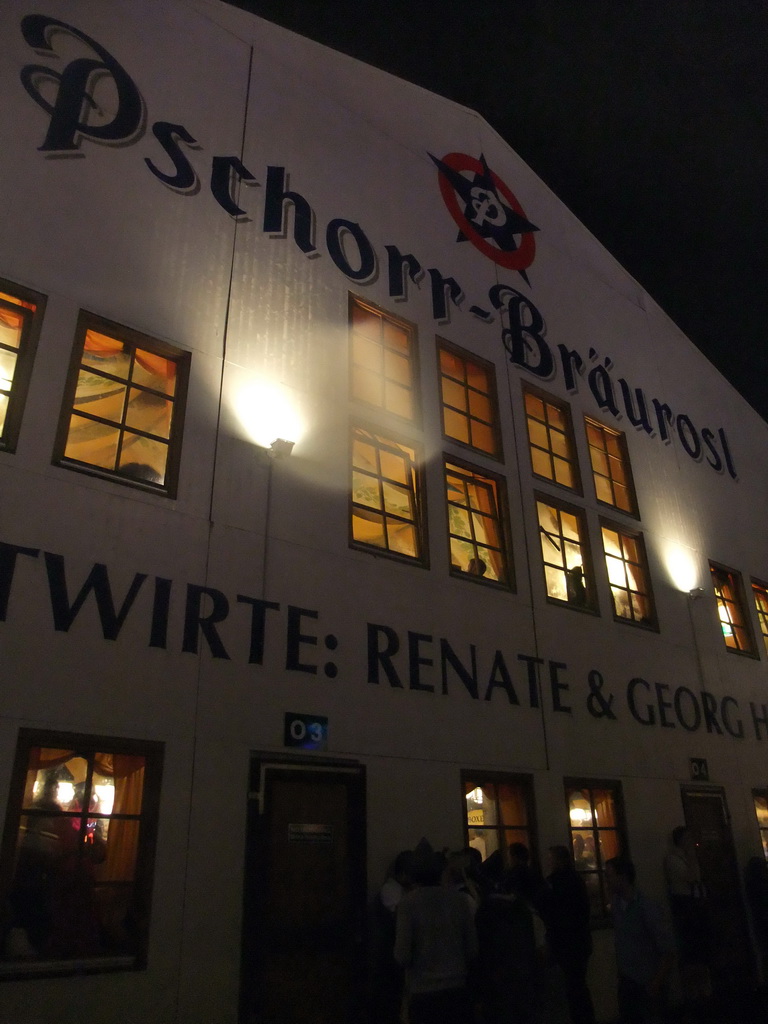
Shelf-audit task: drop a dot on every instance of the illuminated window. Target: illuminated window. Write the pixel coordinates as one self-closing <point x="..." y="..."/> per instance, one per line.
<point x="760" y="798"/>
<point x="123" y="410"/>
<point x="20" y="316"/>
<point x="76" y="869"/>
<point x="760" y="594"/>
<point x="470" y="411"/>
<point x="382" y="353"/>
<point x="730" y="609"/>
<point x="565" y="555"/>
<point x="476" y="524"/>
<point x="499" y="812"/>
<point x="550" y="436"/>
<point x="596" y="821"/>
<point x="386" y="495"/>
<point x="628" y="576"/>
<point x="610" y="467"/>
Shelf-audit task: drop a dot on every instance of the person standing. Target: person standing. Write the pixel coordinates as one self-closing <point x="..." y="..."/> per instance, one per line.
<point x="645" y="948"/>
<point x="566" y="912"/>
<point x="690" y="918"/>
<point x="436" y="943"/>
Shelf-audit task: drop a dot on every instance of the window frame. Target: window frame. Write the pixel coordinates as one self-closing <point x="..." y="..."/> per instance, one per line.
<point x="623" y="531"/>
<point x="590" y="421"/>
<point x="762" y="615"/>
<point x="570" y="784"/>
<point x="526" y="784"/>
<point x="762" y="794"/>
<point x="501" y="519"/>
<point x="739" y="602"/>
<point x="89" y="745"/>
<point x="354" y="301"/>
<point x="135" y="339"/>
<point x="492" y="396"/>
<point x="569" y="435"/>
<point x="420" y="521"/>
<point x="591" y="605"/>
<point x="25" y="357"/>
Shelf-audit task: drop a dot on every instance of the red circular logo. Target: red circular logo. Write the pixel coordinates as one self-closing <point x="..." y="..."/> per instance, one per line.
<point x="486" y="211"/>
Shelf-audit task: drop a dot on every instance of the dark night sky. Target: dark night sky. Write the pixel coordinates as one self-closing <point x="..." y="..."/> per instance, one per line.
<point x="649" y="119"/>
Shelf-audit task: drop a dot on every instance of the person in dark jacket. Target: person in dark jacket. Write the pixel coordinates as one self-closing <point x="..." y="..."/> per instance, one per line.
<point x="566" y="914"/>
<point x="508" y="964"/>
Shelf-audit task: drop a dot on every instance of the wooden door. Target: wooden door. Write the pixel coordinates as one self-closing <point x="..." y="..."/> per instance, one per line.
<point x="706" y="815"/>
<point x="304" y="920"/>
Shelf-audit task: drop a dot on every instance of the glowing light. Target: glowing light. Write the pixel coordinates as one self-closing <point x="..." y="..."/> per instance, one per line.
<point x="475" y="796"/>
<point x="580" y="811"/>
<point x="65" y="793"/>
<point x="106" y="795"/>
<point x="267" y="411"/>
<point x="682" y="566"/>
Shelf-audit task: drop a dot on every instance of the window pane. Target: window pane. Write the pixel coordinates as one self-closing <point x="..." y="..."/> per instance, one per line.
<point x="480" y="407"/>
<point x="454" y="394"/>
<point x="92" y="442"/>
<point x="397" y="368"/>
<point x="469" y="402"/>
<point x="149" y="412"/>
<point x="514" y="810"/>
<point x="628" y="576"/>
<point x="99" y="396"/>
<point x="584" y="856"/>
<point x="18" y="317"/>
<point x="397" y="500"/>
<point x="381" y="352"/>
<point x="760" y="595"/>
<point x="395" y="337"/>
<point x="7" y="369"/>
<point x="605" y="813"/>
<point x="122" y="845"/>
<point x="482" y="437"/>
<point x="391" y="479"/>
<point x="549" y="432"/>
<point x="366" y="385"/>
<point x="610" y="466"/>
<point x="476" y="533"/>
<point x="368" y="529"/>
<point x="402" y="538"/>
<point x="398" y="400"/>
<point x="367" y="354"/>
<point x="596" y="836"/>
<point x="11" y="324"/>
<point x="143" y="459"/>
<point x="456" y="426"/>
<point x="761" y="809"/>
<point x="563" y="473"/>
<point x="727" y="587"/>
<point x="72" y="892"/>
<point x="541" y="463"/>
<point x="497" y="816"/>
<point x="109" y="410"/>
<point x="478" y="377"/>
<point x="394" y="467"/>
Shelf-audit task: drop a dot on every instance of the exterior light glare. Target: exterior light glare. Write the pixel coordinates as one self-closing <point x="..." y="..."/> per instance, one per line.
<point x="682" y="567"/>
<point x="269" y="413"/>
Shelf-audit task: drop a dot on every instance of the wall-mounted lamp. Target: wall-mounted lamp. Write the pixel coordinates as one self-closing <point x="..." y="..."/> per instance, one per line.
<point x="280" y="448"/>
<point x="696" y="593"/>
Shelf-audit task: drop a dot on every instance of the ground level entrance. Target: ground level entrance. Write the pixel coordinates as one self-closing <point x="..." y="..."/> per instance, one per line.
<point x="706" y="815"/>
<point x="304" y="913"/>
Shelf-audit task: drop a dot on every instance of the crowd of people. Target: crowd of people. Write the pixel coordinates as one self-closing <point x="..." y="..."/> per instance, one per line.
<point x="467" y="941"/>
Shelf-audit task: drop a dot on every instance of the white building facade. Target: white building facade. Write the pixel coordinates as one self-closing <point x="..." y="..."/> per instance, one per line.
<point x="351" y="494"/>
